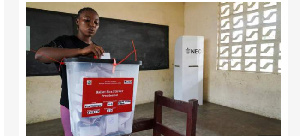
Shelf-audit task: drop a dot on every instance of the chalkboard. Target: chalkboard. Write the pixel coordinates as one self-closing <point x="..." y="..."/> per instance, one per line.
<point x="114" y="35"/>
<point x="45" y="26"/>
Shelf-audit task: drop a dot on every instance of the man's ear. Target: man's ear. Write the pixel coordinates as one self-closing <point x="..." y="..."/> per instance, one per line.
<point x="77" y="21"/>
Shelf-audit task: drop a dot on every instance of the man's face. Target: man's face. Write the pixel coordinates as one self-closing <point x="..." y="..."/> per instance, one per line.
<point x="88" y="23"/>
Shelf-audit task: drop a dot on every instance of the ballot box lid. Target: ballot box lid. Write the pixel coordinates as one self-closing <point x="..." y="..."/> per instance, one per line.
<point x="92" y="60"/>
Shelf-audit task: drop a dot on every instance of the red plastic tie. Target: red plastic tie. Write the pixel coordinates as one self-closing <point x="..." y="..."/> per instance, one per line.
<point x="134" y="51"/>
<point x="44" y="55"/>
<point x="60" y="62"/>
<point x="114" y="66"/>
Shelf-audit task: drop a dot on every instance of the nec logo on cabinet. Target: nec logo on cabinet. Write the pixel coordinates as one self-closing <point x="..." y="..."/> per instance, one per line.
<point x="193" y="51"/>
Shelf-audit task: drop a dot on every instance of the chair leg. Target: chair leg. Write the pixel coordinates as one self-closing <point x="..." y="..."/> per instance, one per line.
<point x="157" y="112"/>
<point x="192" y="118"/>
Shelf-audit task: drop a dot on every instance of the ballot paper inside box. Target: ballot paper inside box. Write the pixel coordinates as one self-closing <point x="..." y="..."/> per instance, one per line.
<point x="105" y="112"/>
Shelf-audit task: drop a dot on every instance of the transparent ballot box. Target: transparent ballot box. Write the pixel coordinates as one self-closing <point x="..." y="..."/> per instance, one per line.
<point x="101" y="95"/>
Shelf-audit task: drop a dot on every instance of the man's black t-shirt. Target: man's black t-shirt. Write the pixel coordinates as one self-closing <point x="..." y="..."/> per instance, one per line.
<point x="65" y="42"/>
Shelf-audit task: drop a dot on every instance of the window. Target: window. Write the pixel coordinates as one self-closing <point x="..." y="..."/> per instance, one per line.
<point x="249" y="36"/>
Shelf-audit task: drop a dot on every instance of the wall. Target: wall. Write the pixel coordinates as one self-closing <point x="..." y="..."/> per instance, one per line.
<point x="43" y="92"/>
<point x="251" y="92"/>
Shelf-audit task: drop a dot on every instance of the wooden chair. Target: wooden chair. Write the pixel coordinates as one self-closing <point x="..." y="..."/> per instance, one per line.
<point x="156" y="123"/>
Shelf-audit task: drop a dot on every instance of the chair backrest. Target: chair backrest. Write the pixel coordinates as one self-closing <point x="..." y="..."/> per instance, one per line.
<point x="156" y="123"/>
<point x="187" y="107"/>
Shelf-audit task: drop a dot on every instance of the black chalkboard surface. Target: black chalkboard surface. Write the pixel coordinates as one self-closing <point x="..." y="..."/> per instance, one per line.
<point x="151" y="40"/>
<point x="45" y="26"/>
